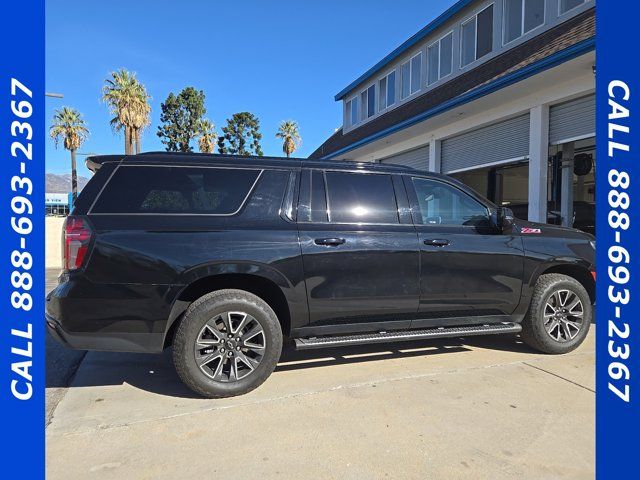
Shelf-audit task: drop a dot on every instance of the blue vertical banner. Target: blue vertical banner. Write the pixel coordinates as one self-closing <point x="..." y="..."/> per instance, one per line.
<point x="22" y="135"/>
<point x="617" y="245"/>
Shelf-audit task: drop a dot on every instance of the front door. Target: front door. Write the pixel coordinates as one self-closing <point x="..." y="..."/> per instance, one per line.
<point x="360" y="251"/>
<point x="468" y="267"/>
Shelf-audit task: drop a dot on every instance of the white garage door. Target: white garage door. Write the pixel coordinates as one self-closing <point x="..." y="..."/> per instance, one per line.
<point x="417" y="158"/>
<point x="506" y="140"/>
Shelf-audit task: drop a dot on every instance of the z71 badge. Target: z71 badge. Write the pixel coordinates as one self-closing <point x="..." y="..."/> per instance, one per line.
<point x="527" y="230"/>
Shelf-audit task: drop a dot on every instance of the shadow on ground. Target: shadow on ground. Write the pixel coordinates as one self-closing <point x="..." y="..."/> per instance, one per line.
<point x="155" y="373"/>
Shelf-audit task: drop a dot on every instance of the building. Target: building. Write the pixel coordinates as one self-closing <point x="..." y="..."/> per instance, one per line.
<point x="499" y="94"/>
<point x="57" y="203"/>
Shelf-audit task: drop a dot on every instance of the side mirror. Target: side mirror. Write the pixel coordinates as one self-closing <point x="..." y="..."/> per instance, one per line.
<point x="502" y="218"/>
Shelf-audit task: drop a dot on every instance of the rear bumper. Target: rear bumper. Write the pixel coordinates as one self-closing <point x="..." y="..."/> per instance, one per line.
<point x="106" y="342"/>
<point x="118" y="318"/>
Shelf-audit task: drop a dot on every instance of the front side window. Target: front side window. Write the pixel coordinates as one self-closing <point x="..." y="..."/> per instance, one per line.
<point x="443" y="204"/>
<point x="566" y="5"/>
<point x="175" y="190"/>
<point x="477" y="36"/>
<point x="361" y="198"/>
<point x="387" y="91"/>
<point x="439" y="58"/>
<point x="411" y="75"/>
<point x="521" y="16"/>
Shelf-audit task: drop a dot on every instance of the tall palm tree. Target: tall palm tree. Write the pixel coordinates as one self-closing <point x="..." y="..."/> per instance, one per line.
<point x="128" y="102"/>
<point x="290" y="134"/>
<point x="69" y="126"/>
<point x="208" y="136"/>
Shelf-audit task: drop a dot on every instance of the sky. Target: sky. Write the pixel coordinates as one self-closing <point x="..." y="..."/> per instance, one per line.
<point x="279" y="60"/>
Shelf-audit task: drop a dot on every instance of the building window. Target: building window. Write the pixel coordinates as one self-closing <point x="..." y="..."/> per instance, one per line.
<point x="352" y="112"/>
<point x="368" y="103"/>
<point x="477" y="36"/>
<point x="411" y="75"/>
<point x="387" y="91"/>
<point x="521" y="16"/>
<point x="566" y="5"/>
<point x="440" y="58"/>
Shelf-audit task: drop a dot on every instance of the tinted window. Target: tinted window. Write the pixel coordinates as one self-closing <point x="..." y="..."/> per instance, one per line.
<point x="442" y="204"/>
<point x="391" y="89"/>
<point x="469" y="42"/>
<point x="382" y="94"/>
<point x="512" y="19"/>
<point x="406" y="79"/>
<point x="433" y="61"/>
<point x="180" y="190"/>
<point x="313" y="200"/>
<point x="446" y="55"/>
<point x="371" y="101"/>
<point x="416" y="65"/>
<point x="533" y="14"/>
<point x="361" y="198"/>
<point x="485" y="32"/>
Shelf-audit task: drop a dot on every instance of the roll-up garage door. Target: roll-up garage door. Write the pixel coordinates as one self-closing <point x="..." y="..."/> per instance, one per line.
<point x="501" y="141"/>
<point x="572" y="120"/>
<point x="417" y="158"/>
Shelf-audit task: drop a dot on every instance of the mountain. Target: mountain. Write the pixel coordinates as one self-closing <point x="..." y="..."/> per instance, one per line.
<point x="55" y="183"/>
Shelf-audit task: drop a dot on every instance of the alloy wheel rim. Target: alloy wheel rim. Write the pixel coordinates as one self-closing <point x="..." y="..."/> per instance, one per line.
<point x="563" y="315"/>
<point x="230" y="346"/>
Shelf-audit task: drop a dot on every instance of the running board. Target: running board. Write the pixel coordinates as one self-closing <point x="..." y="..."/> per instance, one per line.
<point x="404" y="335"/>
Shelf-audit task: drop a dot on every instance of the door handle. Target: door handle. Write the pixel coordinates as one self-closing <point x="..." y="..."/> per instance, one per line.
<point x="437" y="242"/>
<point x="331" y="242"/>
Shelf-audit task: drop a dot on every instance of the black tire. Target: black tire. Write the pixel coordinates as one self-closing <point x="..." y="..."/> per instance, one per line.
<point x="534" y="332"/>
<point x="198" y="315"/>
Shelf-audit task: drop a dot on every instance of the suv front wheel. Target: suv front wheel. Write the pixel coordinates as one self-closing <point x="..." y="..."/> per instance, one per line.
<point x="559" y="316"/>
<point x="227" y="344"/>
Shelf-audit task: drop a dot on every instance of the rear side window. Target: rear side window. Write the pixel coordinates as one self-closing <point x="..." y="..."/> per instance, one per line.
<point x="176" y="190"/>
<point x="361" y="198"/>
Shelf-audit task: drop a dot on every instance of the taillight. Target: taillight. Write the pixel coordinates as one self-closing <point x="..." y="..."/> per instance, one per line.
<point x="77" y="237"/>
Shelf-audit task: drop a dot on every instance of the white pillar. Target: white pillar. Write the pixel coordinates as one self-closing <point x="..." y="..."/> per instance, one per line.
<point x="434" y="156"/>
<point x="538" y="162"/>
<point x="566" y="189"/>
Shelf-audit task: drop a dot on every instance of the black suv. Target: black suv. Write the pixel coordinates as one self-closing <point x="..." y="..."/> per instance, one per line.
<point x="221" y="257"/>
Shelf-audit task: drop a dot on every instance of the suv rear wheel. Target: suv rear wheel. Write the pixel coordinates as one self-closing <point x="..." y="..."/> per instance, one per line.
<point x="227" y="344"/>
<point x="559" y="315"/>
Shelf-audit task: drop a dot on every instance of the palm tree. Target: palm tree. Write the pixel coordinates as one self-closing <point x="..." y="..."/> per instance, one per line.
<point x="208" y="136"/>
<point x="69" y="126"/>
<point x="128" y="102"/>
<point x="289" y="132"/>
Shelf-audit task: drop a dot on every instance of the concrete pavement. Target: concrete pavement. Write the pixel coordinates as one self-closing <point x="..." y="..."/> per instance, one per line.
<point x="482" y="407"/>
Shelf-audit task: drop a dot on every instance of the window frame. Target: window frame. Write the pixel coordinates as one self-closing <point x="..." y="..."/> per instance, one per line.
<point x="364" y="113"/>
<point x="416" y="212"/>
<point x="147" y="214"/>
<point x="386" y="92"/>
<point x="560" y="12"/>
<point x="410" y="62"/>
<point x="439" y="43"/>
<point x="350" y="109"/>
<point x="474" y="18"/>
<point x="522" y="19"/>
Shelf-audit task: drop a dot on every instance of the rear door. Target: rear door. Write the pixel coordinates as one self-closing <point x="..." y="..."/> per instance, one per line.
<point x="468" y="267"/>
<point x="360" y="249"/>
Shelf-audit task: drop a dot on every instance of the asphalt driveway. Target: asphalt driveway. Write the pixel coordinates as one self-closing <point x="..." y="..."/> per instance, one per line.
<point x="482" y="407"/>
